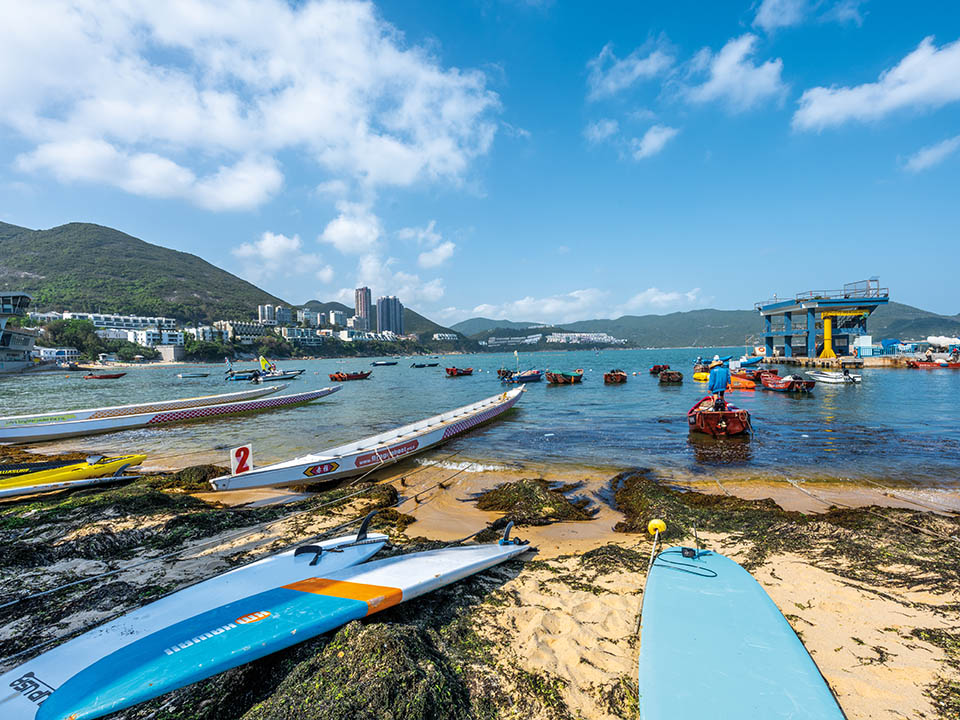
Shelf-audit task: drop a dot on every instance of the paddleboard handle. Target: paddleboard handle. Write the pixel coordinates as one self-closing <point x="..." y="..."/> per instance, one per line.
<point x="307" y="549"/>
<point x="365" y="525"/>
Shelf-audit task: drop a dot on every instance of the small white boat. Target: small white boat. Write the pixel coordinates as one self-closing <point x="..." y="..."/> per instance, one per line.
<point x="278" y="375"/>
<point x="96" y="426"/>
<point x="831" y="377"/>
<point x="56" y="416"/>
<point x="363" y="455"/>
<point x="192" y="375"/>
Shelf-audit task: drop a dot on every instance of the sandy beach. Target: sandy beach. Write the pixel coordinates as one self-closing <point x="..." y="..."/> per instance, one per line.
<point x="871" y="591"/>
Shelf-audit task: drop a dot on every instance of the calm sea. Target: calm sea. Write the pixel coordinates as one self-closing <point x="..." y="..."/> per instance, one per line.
<point x="897" y="425"/>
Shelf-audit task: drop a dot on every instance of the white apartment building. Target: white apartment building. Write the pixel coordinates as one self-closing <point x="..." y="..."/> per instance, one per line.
<point x="310" y="317"/>
<point x="153" y="337"/>
<point x="337" y="317"/>
<point x="584" y="338"/>
<point x="241" y="331"/>
<point x="112" y="333"/>
<point x="445" y="336"/>
<point x="358" y="323"/>
<point x="301" y="336"/>
<point x="205" y="333"/>
<point x="515" y="340"/>
<point x="126" y="322"/>
<point x="60" y="354"/>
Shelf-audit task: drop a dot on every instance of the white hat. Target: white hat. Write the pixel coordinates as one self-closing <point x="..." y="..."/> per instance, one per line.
<point x="716" y="358"/>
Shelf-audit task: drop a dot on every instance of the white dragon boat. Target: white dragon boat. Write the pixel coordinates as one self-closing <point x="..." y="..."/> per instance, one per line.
<point x="94" y="426"/>
<point x="369" y="453"/>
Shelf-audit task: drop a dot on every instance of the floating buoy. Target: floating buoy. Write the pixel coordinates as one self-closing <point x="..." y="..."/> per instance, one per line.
<point x="656" y="525"/>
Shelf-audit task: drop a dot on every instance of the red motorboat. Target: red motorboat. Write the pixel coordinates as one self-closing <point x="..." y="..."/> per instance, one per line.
<point x="103" y="376"/>
<point x="927" y="365"/>
<point x="730" y="420"/>
<point x="615" y="377"/>
<point x="790" y="383"/>
<point x="565" y="378"/>
<point x="754" y="374"/>
<point x="657" y="369"/>
<point x="459" y="372"/>
<point x="343" y="376"/>
<point x="671" y="377"/>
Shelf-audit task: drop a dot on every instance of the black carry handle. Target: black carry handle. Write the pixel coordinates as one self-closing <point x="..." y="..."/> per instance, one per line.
<point x="307" y="549"/>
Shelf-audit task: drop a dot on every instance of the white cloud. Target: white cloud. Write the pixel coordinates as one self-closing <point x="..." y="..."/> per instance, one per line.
<point x="377" y="272"/>
<point x="609" y="75"/>
<point x="597" y="132"/>
<point x="325" y="274"/>
<point x="774" y="14"/>
<point x="929" y="77"/>
<point x="932" y="155"/>
<point x="427" y="234"/>
<point x="734" y="78"/>
<point x="355" y="230"/>
<point x="206" y="95"/>
<point x="436" y="256"/>
<point x="275" y="254"/>
<point x="652" y="142"/>
<point x="655" y="300"/>
<point x="577" y="305"/>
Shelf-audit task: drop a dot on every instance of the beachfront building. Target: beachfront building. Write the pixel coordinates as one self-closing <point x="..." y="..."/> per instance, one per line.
<point x="446" y="336"/>
<point x="361" y="305"/>
<point x="337" y="318"/>
<point x="302" y="336"/>
<point x="573" y="338"/>
<point x="240" y="331"/>
<point x="283" y="315"/>
<point x="152" y="337"/>
<point x="112" y="333"/>
<point x="835" y="320"/>
<point x="45" y="318"/>
<point x="123" y="322"/>
<point x="57" y="354"/>
<point x="16" y="344"/>
<point x="205" y="333"/>
<point x="514" y="340"/>
<point x="389" y="315"/>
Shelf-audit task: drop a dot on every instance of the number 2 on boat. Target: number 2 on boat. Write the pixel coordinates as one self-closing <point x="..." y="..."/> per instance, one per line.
<point x="241" y="459"/>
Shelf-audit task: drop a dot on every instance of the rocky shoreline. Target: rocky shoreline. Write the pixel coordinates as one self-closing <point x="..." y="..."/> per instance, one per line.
<point x="872" y="591"/>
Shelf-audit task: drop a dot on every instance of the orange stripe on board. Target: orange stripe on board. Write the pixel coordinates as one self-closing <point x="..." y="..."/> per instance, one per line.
<point x="377" y="597"/>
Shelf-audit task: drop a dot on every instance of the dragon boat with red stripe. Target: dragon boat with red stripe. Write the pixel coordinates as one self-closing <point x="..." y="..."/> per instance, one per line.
<point x="370" y="453"/>
<point x="96" y="426"/>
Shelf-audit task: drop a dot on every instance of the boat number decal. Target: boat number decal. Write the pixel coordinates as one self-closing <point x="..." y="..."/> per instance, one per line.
<point x="321" y="469"/>
<point x="245" y="620"/>
<point x="387" y="453"/>
<point x="32" y="688"/>
<point x="241" y="459"/>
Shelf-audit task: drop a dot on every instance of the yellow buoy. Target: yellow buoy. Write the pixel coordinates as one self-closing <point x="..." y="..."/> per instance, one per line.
<point x="656" y="525"/>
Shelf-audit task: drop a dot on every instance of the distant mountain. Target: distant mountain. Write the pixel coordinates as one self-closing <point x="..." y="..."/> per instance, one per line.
<point x="477" y="325"/>
<point x="906" y="322"/>
<point x="85" y="267"/>
<point x="413" y="322"/>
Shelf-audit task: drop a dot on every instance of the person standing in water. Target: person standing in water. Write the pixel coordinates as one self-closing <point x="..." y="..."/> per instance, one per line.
<point x="719" y="380"/>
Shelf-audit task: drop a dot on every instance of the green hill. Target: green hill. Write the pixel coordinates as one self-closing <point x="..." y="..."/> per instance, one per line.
<point x="477" y="325"/>
<point x="85" y="267"/>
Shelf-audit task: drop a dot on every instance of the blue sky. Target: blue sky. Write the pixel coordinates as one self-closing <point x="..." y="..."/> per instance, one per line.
<point x="541" y="161"/>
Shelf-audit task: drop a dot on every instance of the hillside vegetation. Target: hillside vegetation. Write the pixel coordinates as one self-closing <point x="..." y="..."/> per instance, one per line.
<point x="85" y="267"/>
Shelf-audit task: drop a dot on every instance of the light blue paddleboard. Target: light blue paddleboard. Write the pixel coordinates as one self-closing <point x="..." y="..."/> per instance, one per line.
<point x="714" y="645"/>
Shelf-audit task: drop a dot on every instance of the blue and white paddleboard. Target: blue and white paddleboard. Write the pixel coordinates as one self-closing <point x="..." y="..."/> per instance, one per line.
<point x="714" y="645"/>
<point x="164" y="629"/>
<point x="241" y="630"/>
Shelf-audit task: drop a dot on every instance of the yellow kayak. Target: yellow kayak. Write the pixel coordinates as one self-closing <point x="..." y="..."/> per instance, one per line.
<point x="12" y="484"/>
<point x="701" y="376"/>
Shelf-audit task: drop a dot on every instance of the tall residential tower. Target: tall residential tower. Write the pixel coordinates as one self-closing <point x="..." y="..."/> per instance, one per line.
<point x="389" y="315"/>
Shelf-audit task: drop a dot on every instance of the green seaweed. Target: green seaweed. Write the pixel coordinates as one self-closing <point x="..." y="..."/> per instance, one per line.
<point x="532" y="502"/>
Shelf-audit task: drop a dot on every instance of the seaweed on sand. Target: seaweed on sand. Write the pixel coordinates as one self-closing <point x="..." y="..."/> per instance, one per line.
<point x="533" y="502"/>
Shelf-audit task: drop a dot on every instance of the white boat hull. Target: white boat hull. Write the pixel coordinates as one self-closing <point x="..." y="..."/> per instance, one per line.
<point x="76" y="428"/>
<point x="380" y="450"/>
<point x="16" y="421"/>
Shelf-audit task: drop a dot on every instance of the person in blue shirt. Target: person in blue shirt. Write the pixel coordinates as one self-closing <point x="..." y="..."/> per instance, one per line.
<point x="719" y="380"/>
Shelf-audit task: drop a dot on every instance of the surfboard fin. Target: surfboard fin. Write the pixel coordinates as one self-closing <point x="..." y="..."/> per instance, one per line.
<point x="505" y="540"/>
<point x="365" y="525"/>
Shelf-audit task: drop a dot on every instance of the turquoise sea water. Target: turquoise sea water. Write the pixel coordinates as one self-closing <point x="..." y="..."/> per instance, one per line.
<point x="898" y="425"/>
